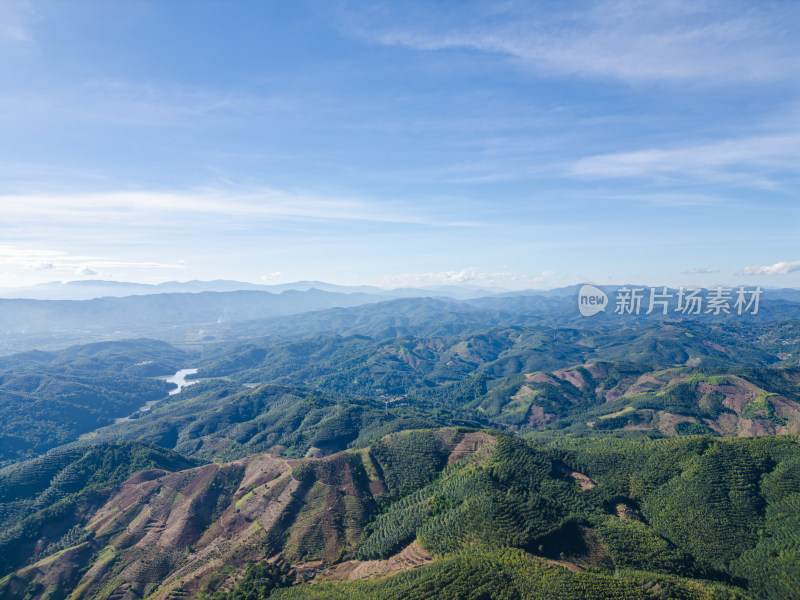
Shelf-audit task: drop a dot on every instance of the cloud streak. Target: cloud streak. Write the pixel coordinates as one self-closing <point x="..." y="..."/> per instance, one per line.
<point x="698" y="271"/>
<point x="779" y="268"/>
<point x="36" y="259"/>
<point x="147" y="207"/>
<point x="743" y="160"/>
<point x="627" y="40"/>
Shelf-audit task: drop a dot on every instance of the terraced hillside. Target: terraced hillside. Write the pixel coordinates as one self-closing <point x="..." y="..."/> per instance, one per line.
<point x="161" y="532"/>
<point x="432" y="512"/>
<point x="678" y="401"/>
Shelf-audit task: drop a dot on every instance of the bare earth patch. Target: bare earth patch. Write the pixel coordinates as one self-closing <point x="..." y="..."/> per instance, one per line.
<point x="469" y="444"/>
<point x="789" y="410"/>
<point x="572" y="567"/>
<point x="645" y="383"/>
<point x="716" y="347"/>
<point x="668" y="421"/>
<point x="738" y="392"/>
<point x="725" y="424"/>
<point x="537" y="416"/>
<point x="572" y="376"/>
<point x="583" y="480"/>
<point x="523" y="392"/>
<point x="540" y="378"/>
<point x="595" y="371"/>
<point x="619" y="390"/>
<point x="756" y="427"/>
<point x="410" y="557"/>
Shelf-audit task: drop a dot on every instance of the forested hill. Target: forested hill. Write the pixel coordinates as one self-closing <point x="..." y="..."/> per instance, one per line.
<point x="418" y="514"/>
<point x="322" y="394"/>
<point x="50" y="398"/>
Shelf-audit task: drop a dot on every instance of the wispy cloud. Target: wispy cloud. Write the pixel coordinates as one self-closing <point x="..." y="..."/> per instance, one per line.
<point x="150" y="207"/>
<point x="37" y="259"/>
<point x="628" y="40"/>
<point x="747" y="160"/>
<point x="699" y="271"/>
<point x="16" y="17"/>
<point x="779" y="268"/>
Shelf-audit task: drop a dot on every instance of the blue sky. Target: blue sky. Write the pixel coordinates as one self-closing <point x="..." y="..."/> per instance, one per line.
<point x="530" y="144"/>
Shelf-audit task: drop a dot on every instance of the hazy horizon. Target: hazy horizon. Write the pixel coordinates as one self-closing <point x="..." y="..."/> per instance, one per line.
<point x="302" y="283"/>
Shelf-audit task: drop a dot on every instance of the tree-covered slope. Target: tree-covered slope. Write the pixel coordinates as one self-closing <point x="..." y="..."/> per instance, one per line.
<point x="219" y="420"/>
<point x="50" y="398"/>
<point x="328" y="394"/>
<point x="445" y="513"/>
<point x="507" y="574"/>
<point x="364" y="365"/>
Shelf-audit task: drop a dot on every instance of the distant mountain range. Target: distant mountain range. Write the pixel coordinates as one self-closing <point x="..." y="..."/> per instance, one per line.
<point x="201" y="317"/>
<point x="98" y="288"/>
<point x="46" y="324"/>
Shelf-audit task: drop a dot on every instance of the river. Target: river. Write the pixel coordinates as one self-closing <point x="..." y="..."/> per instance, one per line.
<point x="179" y="379"/>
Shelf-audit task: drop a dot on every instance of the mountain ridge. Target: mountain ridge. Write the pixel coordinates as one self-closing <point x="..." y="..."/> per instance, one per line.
<point x="591" y="518"/>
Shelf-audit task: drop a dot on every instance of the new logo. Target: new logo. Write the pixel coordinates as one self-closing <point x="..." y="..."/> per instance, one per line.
<point x="591" y="300"/>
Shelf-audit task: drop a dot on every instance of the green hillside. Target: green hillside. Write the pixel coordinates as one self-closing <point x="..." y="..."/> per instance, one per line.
<point x="50" y="398"/>
<point x="429" y="514"/>
<point x="485" y="455"/>
<point x="373" y="365"/>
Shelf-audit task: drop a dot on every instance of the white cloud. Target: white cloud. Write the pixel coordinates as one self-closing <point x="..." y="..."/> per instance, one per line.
<point x="54" y="260"/>
<point x="698" y="271"/>
<point x="779" y="268"/>
<point x="149" y="207"/>
<point x="744" y="160"/>
<point x="41" y="266"/>
<point x="86" y="271"/>
<point x="145" y="103"/>
<point x="27" y="257"/>
<point x="629" y="40"/>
